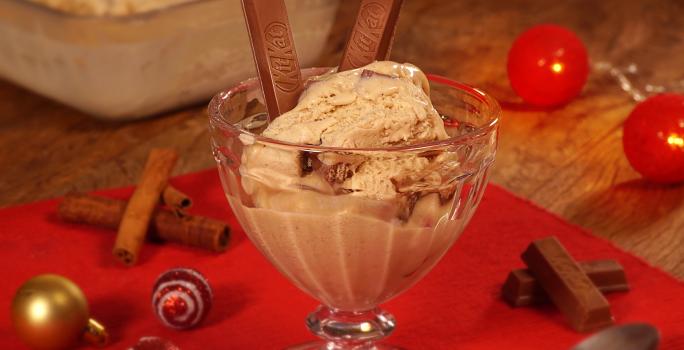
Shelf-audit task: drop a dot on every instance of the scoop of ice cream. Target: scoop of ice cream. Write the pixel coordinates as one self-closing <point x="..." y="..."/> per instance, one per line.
<point x="383" y="104"/>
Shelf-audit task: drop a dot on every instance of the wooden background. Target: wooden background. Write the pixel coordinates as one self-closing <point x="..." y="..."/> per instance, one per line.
<point x="568" y="160"/>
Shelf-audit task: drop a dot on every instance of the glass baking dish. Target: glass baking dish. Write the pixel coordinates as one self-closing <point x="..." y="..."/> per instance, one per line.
<point x="126" y="67"/>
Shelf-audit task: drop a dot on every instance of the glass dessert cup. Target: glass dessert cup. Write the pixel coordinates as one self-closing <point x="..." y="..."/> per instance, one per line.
<point x="348" y="249"/>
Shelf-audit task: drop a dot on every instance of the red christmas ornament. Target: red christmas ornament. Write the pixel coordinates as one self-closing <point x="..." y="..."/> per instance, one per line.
<point x="154" y="343"/>
<point x="653" y="138"/>
<point x="181" y="298"/>
<point x="548" y="65"/>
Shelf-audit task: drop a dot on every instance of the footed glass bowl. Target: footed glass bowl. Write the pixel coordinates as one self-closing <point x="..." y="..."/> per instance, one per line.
<point x="349" y="250"/>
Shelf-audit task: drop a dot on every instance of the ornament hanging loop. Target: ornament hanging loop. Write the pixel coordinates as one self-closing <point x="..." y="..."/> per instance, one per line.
<point x="95" y="333"/>
<point x="621" y="78"/>
<point x="628" y="79"/>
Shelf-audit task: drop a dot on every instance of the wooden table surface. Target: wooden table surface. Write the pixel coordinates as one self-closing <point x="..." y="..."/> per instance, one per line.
<point x="568" y="160"/>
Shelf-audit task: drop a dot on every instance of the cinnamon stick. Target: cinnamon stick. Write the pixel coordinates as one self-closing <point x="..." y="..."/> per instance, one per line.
<point x="136" y="218"/>
<point x="371" y="38"/>
<point x="270" y="35"/>
<point x="175" y="199"/>
<point x="194" y="231"/>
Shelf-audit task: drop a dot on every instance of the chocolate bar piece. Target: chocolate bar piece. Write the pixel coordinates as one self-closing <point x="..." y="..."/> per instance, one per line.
<point x="372" y="35"/>
<point x="570" y="289"/>
<point x="274" y="53"/>
<point x="522" y="289"/>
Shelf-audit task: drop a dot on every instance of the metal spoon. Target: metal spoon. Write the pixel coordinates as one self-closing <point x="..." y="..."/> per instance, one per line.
<point x="634" y="336"/>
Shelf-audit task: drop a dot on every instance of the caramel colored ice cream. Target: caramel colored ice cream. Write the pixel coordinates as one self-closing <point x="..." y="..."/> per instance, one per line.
<point x="380" y="105"/>
<point x="352" y="228"/>
<point x="384" y="104"/>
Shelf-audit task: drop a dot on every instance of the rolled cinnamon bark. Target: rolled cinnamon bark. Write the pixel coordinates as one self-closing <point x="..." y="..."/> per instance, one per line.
<point x="136" y="218"/>
<point x="175" y="199"/>
<point x="104" y="212"/>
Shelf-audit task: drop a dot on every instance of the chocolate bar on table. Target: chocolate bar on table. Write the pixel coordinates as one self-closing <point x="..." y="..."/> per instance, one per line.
<point x="521" y="287"/>
<point x="570" y="289"/>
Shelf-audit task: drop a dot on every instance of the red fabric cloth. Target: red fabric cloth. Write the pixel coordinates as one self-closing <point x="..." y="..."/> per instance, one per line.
<point x="456" y="306"/>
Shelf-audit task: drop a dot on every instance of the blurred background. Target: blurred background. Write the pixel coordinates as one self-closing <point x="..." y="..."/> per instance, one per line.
<point x="88" y="87"/>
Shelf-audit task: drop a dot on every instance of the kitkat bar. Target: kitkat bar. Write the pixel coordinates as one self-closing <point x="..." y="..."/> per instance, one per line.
<point x="372" y="35"/>
<point x="521" y="287"/>
<point x="274" y="54"/>
<point x="566" y="284"/>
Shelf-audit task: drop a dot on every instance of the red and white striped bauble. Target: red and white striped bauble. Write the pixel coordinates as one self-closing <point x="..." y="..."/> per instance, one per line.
<point x="181" y="298"/>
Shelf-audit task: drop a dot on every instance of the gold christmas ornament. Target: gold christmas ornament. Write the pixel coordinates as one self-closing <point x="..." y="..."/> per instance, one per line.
<point x="49" y="312"/>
